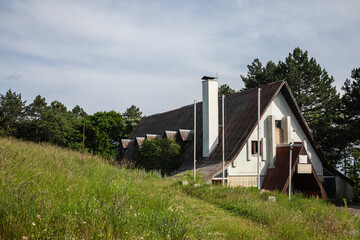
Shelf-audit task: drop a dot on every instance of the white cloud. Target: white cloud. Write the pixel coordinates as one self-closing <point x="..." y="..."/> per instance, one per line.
<point x="111" y="54"/>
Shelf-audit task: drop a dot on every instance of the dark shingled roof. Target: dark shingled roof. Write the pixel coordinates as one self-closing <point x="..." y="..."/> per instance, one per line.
<point x="277" y="178"/>
<point x="240" y="120"/>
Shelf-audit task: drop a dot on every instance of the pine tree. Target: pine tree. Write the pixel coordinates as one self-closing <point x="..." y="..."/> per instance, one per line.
<point x="351" y="104"/>
<point x="132" y="112"/>
<point x="351" y="129"/>
<point x="225" y="89"/>
<point x="132" y="117"/>
<point x="258" y="75"/>
<point x="35" y="112"/>
<point x="11" y="112"/>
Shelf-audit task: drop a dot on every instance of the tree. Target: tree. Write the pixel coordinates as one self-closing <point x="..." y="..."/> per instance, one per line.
<point x="31" y="128"/>
<point x="78" y="112"/>
<point x="159" y="154"/>
<point x="104" y="131"/>
<point x="132" y="117"/>
<point x="351" y="106"/>
<point x="225" y="90"/>
<point x="57" y="125"/>
<point x="353" y="168"/>
<point x="77" y="116"/>
<point x="351" y="129"/>
<point x="258" y="75"/>
<point x="311" y="85"/>
<point x="11" y="112"/>
<point x="132" y="112"/>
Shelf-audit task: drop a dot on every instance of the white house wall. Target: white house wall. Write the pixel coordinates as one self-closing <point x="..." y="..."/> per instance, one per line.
<point x="246" y="168"/>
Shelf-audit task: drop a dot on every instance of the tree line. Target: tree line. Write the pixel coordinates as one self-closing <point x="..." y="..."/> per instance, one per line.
<point x="53" y="123"/>
<point x="334" y="119"/>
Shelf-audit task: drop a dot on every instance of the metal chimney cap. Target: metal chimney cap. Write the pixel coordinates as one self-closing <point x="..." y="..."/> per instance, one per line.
<point x="209" y="78"/>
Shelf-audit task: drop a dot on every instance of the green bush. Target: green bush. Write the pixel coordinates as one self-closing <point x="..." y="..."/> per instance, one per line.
<point x="189" y="176"/>
<point x="159" y="154"/>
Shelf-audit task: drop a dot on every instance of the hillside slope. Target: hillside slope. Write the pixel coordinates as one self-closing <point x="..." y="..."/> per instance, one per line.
<point x="46" y="193"/>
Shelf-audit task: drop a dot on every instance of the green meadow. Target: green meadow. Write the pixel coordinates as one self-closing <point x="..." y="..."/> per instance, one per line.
<point x="47" y="193"/>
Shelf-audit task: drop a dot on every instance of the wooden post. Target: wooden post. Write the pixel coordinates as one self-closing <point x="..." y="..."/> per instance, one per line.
<point x="223" y="141"/>
<point x="83" y="143"/>
<point x="194" y="141"/>
<point x="258" y="142"/>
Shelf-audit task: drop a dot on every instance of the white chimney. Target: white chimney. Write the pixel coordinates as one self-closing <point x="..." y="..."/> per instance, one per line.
<point x="210" y="115"/>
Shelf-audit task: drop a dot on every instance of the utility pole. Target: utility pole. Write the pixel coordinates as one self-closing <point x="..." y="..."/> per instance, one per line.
<point x="223" y="141"/>
<point x="258" y="142"/>
<point x="290" y="167"/>
<point x="83" y="143"/>
<point x="194" y="141"/>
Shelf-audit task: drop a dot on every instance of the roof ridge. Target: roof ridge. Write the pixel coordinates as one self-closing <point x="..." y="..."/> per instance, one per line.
<point x="229" y="95"/>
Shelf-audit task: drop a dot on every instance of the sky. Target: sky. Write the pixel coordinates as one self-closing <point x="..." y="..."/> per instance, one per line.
<point x="108" y="55"/>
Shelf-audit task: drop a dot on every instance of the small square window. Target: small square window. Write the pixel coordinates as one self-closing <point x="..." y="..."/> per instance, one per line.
<point x="278" y="124"/>
<point x="254" y="148"/>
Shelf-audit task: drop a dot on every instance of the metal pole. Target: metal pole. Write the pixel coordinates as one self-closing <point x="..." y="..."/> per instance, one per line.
<point x="194" y="141"/>
<point x="223" y="141"/>
<point x="290" y="167"/>
<point x="258" y="143"/>
<point x="82" y="163"/>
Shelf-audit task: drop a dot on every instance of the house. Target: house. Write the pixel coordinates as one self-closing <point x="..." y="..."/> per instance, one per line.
<point x="263" y="130"/>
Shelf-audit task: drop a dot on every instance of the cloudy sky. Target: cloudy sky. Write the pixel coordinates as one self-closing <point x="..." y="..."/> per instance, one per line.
<point x="108" y="55"/>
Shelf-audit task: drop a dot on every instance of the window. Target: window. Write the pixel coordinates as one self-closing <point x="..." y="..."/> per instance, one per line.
<point x="218" y="181"/>
<point x="278" y="124"/>
<point x="218" y="178"/>
<point x="254" y="148"/>
<point x="279" y="133"/>
<point x="220" y="175"/>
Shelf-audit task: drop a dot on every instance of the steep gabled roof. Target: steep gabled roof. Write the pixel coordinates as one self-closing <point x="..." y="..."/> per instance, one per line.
<point x="240" y="121"/>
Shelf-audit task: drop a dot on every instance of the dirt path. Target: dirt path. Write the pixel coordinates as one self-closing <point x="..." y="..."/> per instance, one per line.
<point x="353" y="208"/>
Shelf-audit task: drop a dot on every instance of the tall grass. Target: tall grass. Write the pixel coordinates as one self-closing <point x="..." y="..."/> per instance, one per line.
<point x="300" y="218"/>
<point x="46" y="193"/>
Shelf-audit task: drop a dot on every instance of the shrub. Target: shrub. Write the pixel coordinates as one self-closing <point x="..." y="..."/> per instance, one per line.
<point x="159" y="154"/>
<point x="189" y="176"/>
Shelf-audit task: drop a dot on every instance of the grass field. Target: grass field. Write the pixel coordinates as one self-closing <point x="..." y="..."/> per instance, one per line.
<point x="46" y="193"/>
